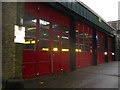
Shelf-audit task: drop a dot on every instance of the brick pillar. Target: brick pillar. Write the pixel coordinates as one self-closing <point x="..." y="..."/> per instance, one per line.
<point x="11" y="52"/>
<point x="19" y="46"/>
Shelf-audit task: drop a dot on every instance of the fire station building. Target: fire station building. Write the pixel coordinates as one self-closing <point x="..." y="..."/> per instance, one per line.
<point x="45" y="38"/>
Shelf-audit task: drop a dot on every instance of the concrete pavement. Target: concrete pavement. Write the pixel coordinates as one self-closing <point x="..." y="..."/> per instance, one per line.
<point x="100" y="76"/>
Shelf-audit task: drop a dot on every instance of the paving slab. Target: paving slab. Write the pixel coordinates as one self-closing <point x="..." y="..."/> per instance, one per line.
<point x="100" y="76"/>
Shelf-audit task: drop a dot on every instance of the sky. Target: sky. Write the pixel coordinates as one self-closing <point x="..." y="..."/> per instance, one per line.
<point x="107" y="9"/>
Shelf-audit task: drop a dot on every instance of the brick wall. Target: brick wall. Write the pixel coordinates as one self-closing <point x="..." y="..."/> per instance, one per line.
<point x="11" y="55"/>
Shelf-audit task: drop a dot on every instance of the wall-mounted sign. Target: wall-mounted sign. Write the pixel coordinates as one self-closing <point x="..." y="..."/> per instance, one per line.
<point x="19" y="33"/>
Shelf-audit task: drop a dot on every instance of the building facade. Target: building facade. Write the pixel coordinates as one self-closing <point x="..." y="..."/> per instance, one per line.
<point x="59" y="37"/>
<point x="116" y="25"/>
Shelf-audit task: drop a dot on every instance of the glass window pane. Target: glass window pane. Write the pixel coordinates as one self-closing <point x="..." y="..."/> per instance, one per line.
<point x="44" y="34"/>
<point x="91" y="49"/>
<point x="30" y="20"/>
<point x="76" y="44"/>
<point x="29" y="44"/>
<point x="65" y="38"/>
<point x="56" y="37"/>
<point x="65" y="47"/>
<point x="65" y="30"/>
<point x="90" y="40"/>
<point x="81" y="34"/>
<point x="30" y="31"/>
<point x="44" y="45"/>
<point x="86" y="48"/>
<point x="56" y="27"/>
<point x="86" y="35"/>
<point x="56" y="46"/>
<point x="30" y="25"/>
<point x="100" y="45"/>
<point x="82" y="48"/>
<point x="44" y="24"/>
<point x="86" y="41"/>
<point x="81" y="41"/>
<point x="76" y="35"/>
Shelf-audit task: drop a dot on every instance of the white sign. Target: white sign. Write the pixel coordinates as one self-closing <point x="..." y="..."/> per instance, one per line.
<point x="19" y="34"/>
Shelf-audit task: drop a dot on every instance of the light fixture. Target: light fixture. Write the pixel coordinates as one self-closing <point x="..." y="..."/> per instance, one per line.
<point x="80" y="50"/>
<point x="65" y="37"/>
<point x="31" y="28"/>
<point x="76" y="30"/>
<point x="65" y="50"/>
<point x="44" y="22"/>
<point x="96" y="37"/>
<point x="34" y="20"/>
<point x="27" y="42"/>
<point x="113" y="53"/>
<point x="44" y="34"/>
<point x="105" y="53"/>
<point x="33" y="42"/>
<point x="45" y="49"/>
<point x="76" y="50"/>
<point x="55" y="49"/>
<point x="67" y="32"/>
<point x="90" y="50"/>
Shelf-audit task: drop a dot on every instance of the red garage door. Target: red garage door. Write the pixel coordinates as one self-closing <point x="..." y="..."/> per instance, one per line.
<point x="46" y="50"/>
<point x="100" y="37"/>
<point x="83" y="45"/>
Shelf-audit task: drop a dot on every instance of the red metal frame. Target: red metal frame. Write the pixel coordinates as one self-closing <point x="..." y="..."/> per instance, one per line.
<point x="41" y="63"/>
<point x="83" y="58"/>
<point x="100" y="54"/>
